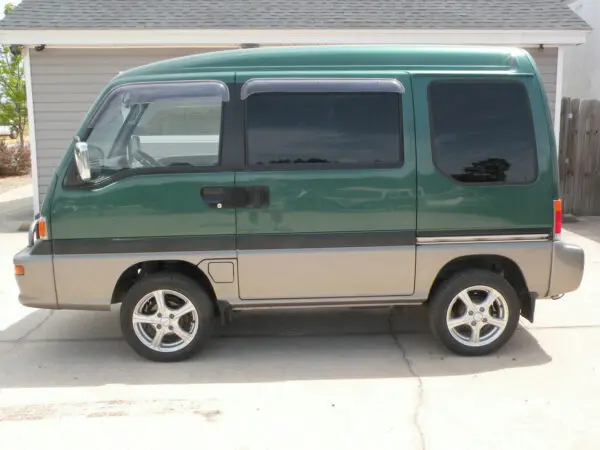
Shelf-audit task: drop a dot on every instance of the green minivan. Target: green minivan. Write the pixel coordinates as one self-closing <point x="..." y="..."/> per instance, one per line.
<point x="295" y="177"/>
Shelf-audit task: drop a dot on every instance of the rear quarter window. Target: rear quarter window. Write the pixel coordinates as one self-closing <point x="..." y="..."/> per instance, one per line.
<point x="482" y="132"/>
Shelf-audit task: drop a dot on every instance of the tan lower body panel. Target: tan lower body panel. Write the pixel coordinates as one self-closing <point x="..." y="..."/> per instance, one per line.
<point x="284" y="278"/>
<point x="326" y="273"/>
<point x="36" y="286"/>
<point x="533" y="258"/>
<point x="88" y="281"/>
<point x="568" y="263"/>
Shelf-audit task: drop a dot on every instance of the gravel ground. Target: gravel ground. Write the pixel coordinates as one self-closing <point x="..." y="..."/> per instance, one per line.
<point x="8" y="183"/>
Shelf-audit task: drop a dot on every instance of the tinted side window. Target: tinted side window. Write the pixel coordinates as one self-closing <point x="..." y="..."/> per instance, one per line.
<point x="330" y="128"/>
<point x="482" y="132"/>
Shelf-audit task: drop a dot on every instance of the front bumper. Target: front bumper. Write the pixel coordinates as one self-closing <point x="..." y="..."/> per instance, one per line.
<point x="36" y="286"/>
<point x="568" y="262"/>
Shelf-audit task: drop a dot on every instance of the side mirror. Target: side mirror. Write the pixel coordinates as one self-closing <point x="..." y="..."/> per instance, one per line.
<point x="82" y="160"/>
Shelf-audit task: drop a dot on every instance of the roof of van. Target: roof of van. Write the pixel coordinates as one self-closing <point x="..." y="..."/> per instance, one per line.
<point x="347" y="56"/>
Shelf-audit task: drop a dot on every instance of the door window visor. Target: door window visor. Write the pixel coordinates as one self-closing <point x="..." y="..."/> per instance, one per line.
<point x="320" y="85"/>
<point x="139" y="93"/>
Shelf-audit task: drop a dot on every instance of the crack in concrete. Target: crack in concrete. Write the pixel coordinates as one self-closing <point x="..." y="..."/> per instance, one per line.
<point x="412" y="371"/>
<point x="34" y="329"/>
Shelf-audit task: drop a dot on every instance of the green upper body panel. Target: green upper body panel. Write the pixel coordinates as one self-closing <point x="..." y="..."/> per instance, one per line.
<point x="446" y="205"/>
<point x="441" y="204"/>
<point x="145" y="206"/>
<point x="336" y="200"/>
<point x="346" y="57"/>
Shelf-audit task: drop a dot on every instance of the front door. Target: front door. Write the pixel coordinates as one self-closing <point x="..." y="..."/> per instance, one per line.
<point x="154" y="147"/>
<point x="330" y="165"/>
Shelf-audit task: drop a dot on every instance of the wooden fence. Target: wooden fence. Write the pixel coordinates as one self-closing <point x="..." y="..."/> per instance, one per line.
<point x="579" y="156"/>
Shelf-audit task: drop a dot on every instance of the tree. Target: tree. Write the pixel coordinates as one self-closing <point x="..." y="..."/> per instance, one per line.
<point x="13" y="103"/>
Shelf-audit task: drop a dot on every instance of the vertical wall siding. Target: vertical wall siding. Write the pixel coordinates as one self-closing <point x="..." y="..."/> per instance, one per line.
<point x="546" y="61"/>
<point x="66" y="82"/>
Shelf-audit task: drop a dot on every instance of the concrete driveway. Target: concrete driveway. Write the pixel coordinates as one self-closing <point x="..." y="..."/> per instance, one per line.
<point x="303" y="380"/>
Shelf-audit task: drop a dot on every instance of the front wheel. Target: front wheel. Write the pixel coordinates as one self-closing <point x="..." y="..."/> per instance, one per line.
<point x="166" y="317"/>
<point x="474" y="312"/>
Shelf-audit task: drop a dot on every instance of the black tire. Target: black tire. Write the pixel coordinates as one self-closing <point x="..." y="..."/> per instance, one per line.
<point x="441" y="300"/>
<point x="180" y="284"/>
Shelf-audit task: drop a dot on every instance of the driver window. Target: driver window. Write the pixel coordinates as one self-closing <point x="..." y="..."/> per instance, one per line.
<point x="182" y="130"/>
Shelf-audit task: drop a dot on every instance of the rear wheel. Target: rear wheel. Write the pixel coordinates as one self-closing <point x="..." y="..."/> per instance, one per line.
<point x="166" y="317"/>
<point x="474" y="313"/>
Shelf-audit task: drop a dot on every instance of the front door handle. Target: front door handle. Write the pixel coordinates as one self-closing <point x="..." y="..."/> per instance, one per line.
<point x="227" y="197"/>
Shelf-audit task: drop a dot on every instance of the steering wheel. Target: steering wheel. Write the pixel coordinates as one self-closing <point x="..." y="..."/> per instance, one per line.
<point x="135" y="154"/>
<point x="95" y="149"/>
<point x="95" y="155"/>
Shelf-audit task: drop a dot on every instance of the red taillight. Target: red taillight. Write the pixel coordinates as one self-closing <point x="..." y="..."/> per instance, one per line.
<point x="558" y="218"/>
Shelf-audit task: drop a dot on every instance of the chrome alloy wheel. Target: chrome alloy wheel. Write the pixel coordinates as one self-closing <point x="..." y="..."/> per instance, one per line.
<point x="165" y="321"/>
<point x="477" y="316"/>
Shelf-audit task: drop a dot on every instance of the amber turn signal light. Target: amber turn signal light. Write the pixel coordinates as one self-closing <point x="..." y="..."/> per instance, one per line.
<point x="42" y="231"/>
<point x="19" y="270"/>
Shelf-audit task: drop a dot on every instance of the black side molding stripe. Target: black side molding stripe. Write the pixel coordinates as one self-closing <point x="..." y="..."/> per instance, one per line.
<point x="324" y="240"/>
<point x="42" y="248"/>
<point x="224" y="243"/>
<point x="144" y="245"/>
<point x="257" y="241"/>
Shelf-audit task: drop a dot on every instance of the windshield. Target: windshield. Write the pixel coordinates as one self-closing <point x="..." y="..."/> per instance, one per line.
<point x="104" y="134"/>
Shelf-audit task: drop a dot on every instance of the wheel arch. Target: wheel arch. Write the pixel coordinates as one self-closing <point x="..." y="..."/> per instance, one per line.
<point x="144" y="268"/>
<point x="502" y="265"/>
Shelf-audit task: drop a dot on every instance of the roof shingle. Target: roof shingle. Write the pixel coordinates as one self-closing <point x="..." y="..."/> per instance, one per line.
<point x="286" y="14"/>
